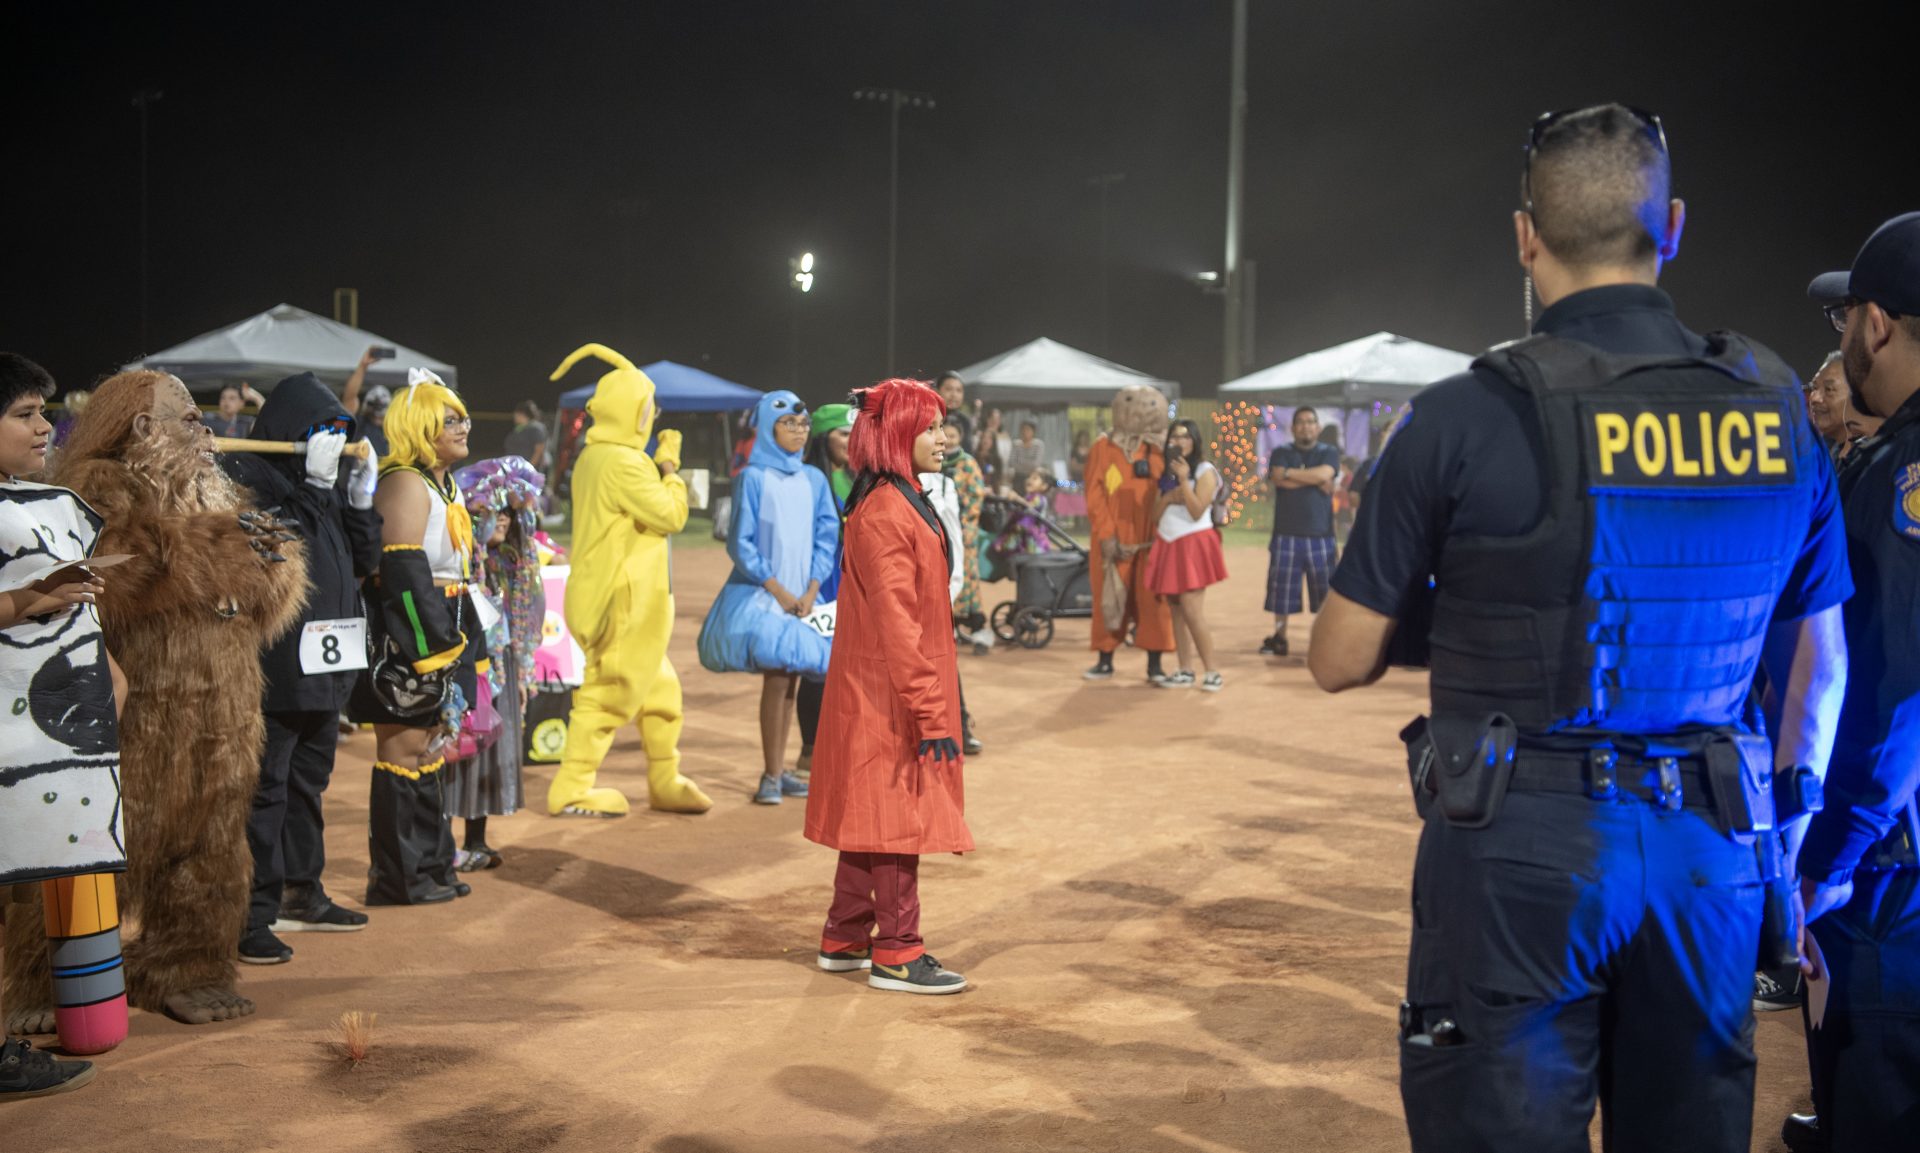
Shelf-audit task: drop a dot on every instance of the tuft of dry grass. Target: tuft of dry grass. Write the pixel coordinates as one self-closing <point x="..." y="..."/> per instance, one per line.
<point x="355" y="1035"/>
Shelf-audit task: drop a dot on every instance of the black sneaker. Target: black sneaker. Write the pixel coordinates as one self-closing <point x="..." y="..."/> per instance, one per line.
<point x="1776" y="989"/>
<point x="972" y="745"/>
<point x="1275" y="645"/>
<point x="27" y="1072"/>
<point x="328" y="918"/>
<point x="261" y="947"/>
<point x="923" y="974"/>
<point x="845" y="961"/>
<point x="1099" y="672"/>
<point x="1802" y="1134"/>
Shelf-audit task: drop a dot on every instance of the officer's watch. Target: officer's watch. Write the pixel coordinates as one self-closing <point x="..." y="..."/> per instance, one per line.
<point x="1796" y="793"/>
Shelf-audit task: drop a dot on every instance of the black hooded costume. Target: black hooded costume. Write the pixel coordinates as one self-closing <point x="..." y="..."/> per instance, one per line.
<point x="302" y="708"/>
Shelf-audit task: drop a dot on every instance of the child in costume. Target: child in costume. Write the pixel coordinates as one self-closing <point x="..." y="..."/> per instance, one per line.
<point x="620" y="599"/>
<point x="305" y="692"/>
<point x="60" y="755"/>
<point x="503" y="496"/>
<point x="784" y="540"/>
<point x="887" y="768"/>
<point x="427" y="646"/>
<point x="827" y="452"/>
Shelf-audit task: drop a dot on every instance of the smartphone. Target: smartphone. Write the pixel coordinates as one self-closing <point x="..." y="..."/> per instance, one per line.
<point x="383" y="352"/>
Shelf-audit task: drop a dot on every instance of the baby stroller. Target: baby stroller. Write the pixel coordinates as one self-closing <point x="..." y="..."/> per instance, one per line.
<point x="1046" y="584"/>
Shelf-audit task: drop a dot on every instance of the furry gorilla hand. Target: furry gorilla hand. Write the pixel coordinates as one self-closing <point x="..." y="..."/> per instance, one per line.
<point x="266" y="531"/>
<point x="940" y="749"/>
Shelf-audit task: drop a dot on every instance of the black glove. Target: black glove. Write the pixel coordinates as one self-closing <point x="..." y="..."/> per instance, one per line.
<point x="941" y="749"/>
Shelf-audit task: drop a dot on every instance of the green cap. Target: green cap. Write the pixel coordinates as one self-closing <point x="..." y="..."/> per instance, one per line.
<point x="828" y="417"/>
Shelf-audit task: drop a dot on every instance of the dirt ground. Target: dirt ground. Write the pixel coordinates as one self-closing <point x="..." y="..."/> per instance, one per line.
<point x="1185" y="928"/>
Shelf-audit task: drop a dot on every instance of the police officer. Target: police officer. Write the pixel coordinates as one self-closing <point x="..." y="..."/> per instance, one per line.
<point x="1860" y="878"/>
<point x="1607" y="523"/>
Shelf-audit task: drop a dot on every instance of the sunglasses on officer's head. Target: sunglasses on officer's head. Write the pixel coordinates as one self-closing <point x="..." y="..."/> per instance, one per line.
<point x="1542" y="124"/>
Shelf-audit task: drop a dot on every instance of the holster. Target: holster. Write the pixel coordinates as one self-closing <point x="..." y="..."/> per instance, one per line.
<point x="1740" y="774"/>
<point x="1473" y="765"/>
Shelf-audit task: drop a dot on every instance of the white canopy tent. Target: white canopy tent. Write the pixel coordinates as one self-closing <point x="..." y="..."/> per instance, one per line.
<point x="1047" y="373"/>
<point x="285" y="341"/>
<point x="1382" y="368"/>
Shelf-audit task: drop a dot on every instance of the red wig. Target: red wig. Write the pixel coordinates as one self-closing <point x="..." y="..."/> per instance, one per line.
<point x="892" y="414"/>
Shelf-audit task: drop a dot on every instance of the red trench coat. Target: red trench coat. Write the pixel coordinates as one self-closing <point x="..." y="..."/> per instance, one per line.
<point x="1120" y="507"/>
<point x="892" y="683"/>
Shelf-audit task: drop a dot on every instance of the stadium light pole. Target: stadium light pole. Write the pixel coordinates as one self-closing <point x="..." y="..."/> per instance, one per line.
<point x="895" y="99"/>
<point x="800" y="279"/>
<point x="1238" y="298"/>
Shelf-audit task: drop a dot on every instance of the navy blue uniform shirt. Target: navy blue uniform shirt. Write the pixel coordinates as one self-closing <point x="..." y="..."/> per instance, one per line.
<point x="1876" y="753"/>
<point x="1459" y="465"/>
<point x="1302" y="511"/>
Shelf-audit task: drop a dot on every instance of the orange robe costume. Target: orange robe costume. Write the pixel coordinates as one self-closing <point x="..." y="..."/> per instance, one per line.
<point x="1120" y="508"/>
<point x="891" y="684"/>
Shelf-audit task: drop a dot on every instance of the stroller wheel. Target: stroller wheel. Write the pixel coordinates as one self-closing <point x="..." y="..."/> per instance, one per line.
<point x="1033" y="628"/>
<point x="1002" y="621"/>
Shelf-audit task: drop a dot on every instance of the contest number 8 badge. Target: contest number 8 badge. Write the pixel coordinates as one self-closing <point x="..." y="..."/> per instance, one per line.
<point x="333" y="646"/>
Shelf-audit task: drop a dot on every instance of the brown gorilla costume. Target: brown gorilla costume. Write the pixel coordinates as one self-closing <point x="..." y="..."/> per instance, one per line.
<point x="186" y="618"/>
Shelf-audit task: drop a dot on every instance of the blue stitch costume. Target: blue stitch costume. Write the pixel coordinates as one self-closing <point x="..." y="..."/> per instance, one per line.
<point x="785" y="526"/>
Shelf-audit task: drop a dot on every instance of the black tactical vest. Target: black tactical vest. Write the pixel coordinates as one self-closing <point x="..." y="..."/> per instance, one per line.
<point x="1674" y="516"/>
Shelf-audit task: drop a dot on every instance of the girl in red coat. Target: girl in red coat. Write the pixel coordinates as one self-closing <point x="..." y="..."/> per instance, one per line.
<point x="886" y="764"/>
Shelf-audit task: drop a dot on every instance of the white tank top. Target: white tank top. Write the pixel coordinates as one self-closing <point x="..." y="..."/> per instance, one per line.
<point x="1177" y="522"/>
<point x="445" y="561"/>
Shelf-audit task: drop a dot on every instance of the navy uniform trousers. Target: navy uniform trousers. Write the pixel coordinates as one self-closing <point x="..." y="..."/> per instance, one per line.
<point x="1866" y="1050"/>
<point x="1585" y="951"/>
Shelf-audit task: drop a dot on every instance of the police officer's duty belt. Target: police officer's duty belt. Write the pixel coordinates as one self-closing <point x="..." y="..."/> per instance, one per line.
<point x="1603" y="774"/>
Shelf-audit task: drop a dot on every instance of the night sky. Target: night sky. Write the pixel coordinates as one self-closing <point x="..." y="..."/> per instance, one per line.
<point x="502" y="183"/>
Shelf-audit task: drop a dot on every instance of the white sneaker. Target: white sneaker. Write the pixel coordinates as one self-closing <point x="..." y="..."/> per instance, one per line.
<point x="1213" y="683"/>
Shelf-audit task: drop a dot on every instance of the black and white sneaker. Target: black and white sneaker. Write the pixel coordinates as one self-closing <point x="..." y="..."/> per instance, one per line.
<point x="328" y="918"/>
<point x="1099" y="672"/>
<point x="1275" y="645"/>
<point x="845" y="961"/>
<point x="261" y="947"/>
<point x="1776" y="989"/>
<point x="27" y="1072"/>
<point x="923" y="975"/>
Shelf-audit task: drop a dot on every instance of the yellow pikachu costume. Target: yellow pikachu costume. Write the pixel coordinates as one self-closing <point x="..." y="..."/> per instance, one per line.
<point x="619" y="603"/>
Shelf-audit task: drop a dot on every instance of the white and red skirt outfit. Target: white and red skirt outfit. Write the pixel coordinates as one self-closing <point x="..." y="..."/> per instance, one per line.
<point x="1186" y="554"/>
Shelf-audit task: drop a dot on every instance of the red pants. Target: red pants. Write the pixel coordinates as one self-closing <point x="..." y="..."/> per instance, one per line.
<point x="875" y="889"/>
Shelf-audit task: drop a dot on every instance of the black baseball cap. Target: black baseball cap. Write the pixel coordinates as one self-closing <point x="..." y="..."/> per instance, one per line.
<point x="1887" y="271"/>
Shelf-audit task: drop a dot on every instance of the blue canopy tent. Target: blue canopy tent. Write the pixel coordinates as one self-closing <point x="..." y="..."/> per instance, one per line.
<point x="676" y="388"/>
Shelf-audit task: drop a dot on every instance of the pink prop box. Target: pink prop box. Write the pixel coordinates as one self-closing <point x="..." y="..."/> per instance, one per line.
<point x="558" y="657"/>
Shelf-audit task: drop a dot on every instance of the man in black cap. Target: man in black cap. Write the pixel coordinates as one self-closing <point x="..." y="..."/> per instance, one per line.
<point x="1860" y="876"/>
<point x="1610" y="520"/>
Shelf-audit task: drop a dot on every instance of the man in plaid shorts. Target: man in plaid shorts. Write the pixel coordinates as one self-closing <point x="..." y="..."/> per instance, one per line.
<point x="1302" y="474"/>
